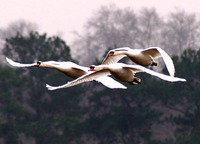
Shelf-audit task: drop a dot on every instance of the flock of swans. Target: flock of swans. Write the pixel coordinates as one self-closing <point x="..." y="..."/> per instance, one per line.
<point x="110" y="66"/>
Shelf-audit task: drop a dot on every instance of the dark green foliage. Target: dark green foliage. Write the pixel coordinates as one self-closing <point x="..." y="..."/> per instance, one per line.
<point x="189" y="99"/>
<point x="52" y="117"/>
<point x="122" y="116"/>
<point x="96" y="113"/>
<point x="11" y="109"/>
<point x="127" y="116"/>
<point x="37" y="47"/>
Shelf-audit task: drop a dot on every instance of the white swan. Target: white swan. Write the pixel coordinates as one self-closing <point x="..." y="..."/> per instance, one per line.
<point x="120" y="71"/>
<point x="70" y="69"/>
<point x="144" y="57"/>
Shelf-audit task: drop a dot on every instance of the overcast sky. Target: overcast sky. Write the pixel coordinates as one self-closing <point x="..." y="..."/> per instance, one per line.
<point x="66" y="16"/>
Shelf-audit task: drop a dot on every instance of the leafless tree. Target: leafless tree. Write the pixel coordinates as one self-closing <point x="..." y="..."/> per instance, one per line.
<point x="181" y="31"/>
<point x="110" y="27"/>
<point x="150" y="26"/>
<point x="20" y="27"/>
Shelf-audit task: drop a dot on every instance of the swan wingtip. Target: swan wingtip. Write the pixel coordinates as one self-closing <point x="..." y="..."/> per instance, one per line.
<point x="184" y="80"/>
<point x="49" y="87"/>
<point x="8" y="60"/>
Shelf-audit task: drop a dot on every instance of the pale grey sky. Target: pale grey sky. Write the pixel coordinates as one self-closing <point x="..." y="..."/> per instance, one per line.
<point x="66" y="16"/>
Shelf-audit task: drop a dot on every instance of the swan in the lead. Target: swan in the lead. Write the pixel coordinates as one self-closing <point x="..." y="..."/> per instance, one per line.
<point x="122" y="72"/>
<point x="144" y="57"/>
<point x="70" y="69"/>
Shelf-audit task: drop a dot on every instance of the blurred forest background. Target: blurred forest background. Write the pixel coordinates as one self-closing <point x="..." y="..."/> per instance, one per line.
<point x="155" y="112"/>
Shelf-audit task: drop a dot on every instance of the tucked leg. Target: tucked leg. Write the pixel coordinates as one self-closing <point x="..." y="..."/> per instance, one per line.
<point x="153" y="62"/>
<point x="135" y="81"/>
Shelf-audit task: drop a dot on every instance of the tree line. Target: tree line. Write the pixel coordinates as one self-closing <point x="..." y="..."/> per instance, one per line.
<point x="112" y="27"/>
<point x="155" y="112"/>
<point x="93" y="112"/>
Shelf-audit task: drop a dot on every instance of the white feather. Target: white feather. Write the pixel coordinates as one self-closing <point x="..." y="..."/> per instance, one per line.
<point x="115" y="66"/>
<point x="111" y="83"/>
<point x="16" y="64"/>
<point x="168" y="61"/>
<point x="159" y="75"/>
<point x="115" y="58"/>
<point x="85" y="78"/>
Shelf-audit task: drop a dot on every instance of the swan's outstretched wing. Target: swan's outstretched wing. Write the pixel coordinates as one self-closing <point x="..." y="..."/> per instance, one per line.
<point x="159" y="75"/>
<point x="115" y="58"/>
<point x="158" y="52"/>
<point x="16" y="64"/>
<point x="85" y="78"/>
<point x="111" y="83"/>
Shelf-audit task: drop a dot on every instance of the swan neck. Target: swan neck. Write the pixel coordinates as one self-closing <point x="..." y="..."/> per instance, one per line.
<point x="100" y="67"/>
<point x="122" y="52"/>
<point x="48" y="65"/>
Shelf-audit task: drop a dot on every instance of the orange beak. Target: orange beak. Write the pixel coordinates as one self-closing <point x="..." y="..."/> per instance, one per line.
<point x="37" y="65"/>
<point x="111" y="54"/>
<point x="91" y="69"/>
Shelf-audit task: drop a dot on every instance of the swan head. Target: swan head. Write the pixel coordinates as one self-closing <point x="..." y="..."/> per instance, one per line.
<point x="119" y="51"/>
<point x="97" y="67"/>
<point x="111" y="53"/>
<point x="92" y="68"/>
<point x="38" y="64"/>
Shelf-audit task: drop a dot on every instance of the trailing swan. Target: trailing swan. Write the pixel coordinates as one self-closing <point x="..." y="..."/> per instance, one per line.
<point x="144" y="57"/>
<point x="122" y="72"/>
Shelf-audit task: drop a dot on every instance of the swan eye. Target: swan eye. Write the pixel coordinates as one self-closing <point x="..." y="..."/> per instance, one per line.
<point x="111" y="53"/>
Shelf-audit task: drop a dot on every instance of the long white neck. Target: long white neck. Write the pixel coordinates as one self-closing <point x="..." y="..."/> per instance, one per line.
<point x="100" y="67"/>
<point x="121" y="52"/>
<point x="50" y="64"/>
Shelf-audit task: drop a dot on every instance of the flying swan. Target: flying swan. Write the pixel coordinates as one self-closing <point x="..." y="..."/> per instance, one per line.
<point x="71" y="70"/>
<point x="144" y="57"/>
<point x="122" y="72"/>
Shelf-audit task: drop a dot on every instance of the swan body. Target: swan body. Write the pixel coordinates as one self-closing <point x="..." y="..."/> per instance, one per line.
<point x="144" y="57"/>
<point x="122" y="72"/>
<point x="70" y="69"/>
